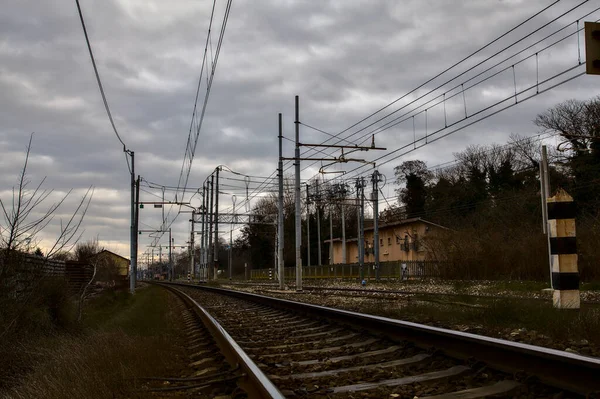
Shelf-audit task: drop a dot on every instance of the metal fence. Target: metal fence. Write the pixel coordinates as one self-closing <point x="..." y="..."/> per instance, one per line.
<point x="397" y="270"/>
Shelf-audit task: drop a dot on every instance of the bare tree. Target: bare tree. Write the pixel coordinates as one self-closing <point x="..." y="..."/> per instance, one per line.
<point x="24" y="221"/>
<point x="577" y="121"/>
<point x="85" y="251"/>
<point x="25" y="215"/>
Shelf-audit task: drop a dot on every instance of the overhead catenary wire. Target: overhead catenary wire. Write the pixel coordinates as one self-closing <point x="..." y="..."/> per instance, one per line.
<point x="99" y="81"/>
<point x="376" y="131"/>
<point x="266" y="184"/>
<point x="192" y="141"/>
<point x="428" y="139"/>
<point x="460" y="61"/>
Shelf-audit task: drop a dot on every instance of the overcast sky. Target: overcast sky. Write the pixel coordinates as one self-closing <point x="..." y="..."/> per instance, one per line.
<point x="344" y="58"/>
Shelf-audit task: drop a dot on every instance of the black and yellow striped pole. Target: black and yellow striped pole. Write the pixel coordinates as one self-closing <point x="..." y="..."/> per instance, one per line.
<point x="563" y="251"/>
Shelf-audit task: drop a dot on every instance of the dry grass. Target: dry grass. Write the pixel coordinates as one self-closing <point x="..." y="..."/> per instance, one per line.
<point x="133" y="339"/>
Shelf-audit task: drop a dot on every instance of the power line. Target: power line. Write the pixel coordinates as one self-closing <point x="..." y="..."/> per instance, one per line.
<point x="89" y="46"/>
<point x="191" y="148"/>
<point x="455" y="77"/>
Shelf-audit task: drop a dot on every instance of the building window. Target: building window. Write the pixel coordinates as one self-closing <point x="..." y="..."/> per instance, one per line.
<point x="381" y="242"/>
<point x="389" y="241"/>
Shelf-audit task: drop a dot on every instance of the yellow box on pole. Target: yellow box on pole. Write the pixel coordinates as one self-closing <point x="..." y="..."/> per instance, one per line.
<point x="592" y="48"/>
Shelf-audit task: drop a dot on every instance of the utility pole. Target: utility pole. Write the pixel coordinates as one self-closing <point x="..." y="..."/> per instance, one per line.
<point x="298" y="210"/>
<point x="231" y="237"/>
<point x="210" y="230"/>
<point x="216" y="250"/>
<point x="132" y="232"/>
<point x="344" y="256"/>
<point x="280" y="265"/>
<point x="375" y="197"/>
<point x="330" y="234"/>
<point x="136" y="224"/>
<point x="545" y="193"/>
<point x="170" y="256"/>
<point x="192" y="245"/>
<point x="206" y="223"/>
<point x="317" y="203"/>
<point x="307" y="226"/>
<point x="362" y="228"/>
<point x="544" y="188"/>
<point x="297" y="159"/>
<point x="360" y="184"/>
<point x="202" y="247"/>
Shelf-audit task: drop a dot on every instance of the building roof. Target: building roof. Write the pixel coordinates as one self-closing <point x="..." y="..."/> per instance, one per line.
<point x="406" y="221"/>
<point x="112" y="253"/>
<point x="393" y="224"/>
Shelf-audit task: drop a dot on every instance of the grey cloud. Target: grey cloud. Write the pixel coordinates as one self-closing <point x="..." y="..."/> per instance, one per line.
<point x="344" y="58"/>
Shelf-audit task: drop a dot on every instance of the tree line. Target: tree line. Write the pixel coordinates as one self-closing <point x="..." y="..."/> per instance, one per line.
<point x="489" y="197"/>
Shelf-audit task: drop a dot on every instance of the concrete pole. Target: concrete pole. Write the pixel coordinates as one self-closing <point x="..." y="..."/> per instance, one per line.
<point x="206" y="234"/>
<point x="192" y="271"/>
<point x="330" y="233"/>
<point x="298" y="209"/>
<point x="202" y="247"/>
<point x="344" y="256"/>
<point x="210" y="230"/>
<point x="231" y="238"/>
<point x="216" y="243"/>
<point x="317" y="203"/>
<point x="361" y="224"/>
<point x="135" y="231"/>
<point x="358" y="246"/>
<point x="375" y="198"/>
<point x="170" y="256"/>
<point x="132" y="228"/>
<point x="543" y="193"/>
<point x="307" y="227"/>
<point x="280" y="265"/>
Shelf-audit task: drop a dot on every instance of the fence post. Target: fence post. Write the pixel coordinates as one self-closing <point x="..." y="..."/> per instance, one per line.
<point x="563" y="251"/>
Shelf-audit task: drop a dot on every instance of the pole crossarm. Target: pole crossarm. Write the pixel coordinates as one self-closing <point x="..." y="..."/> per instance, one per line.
<point x="353" y="147"/>
<point x="309" y="159"/>
<point x="162" y="203"/>
<point x="244" y="218"/>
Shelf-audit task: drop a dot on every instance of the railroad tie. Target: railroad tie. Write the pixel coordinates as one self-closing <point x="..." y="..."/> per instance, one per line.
<point x="328" y="373"/>
<point x="435" y="375"/>
<point x="500" y="388"/>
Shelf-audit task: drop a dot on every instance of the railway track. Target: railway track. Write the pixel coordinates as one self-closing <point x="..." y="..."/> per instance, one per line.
<point x="394" y="293"/>
<point x="217" y="366"/>
<point x="312" y="351"/>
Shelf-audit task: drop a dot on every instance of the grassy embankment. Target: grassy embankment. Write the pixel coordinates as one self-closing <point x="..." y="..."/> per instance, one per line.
<point x="121" y="337"/>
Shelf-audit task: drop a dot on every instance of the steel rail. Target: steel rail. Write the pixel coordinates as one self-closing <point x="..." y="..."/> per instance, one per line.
<point x="257" y="384"/>
<point x="564" y="370"/>
<point x="409" y="293"/>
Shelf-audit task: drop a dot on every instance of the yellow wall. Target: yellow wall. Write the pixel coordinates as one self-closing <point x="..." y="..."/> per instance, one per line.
<point x="391" y="250"/>
<point x="122" y="263"/>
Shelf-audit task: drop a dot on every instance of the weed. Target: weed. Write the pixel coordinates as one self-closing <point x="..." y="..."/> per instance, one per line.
<point x="123" y="337"/>
<point x="591" y="286"/>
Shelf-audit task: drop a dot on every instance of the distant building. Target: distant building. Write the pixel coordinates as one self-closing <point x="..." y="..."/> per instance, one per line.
<point x="408" y="239"/>
<point x="111" y="268"/>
